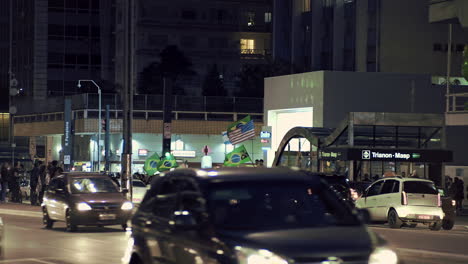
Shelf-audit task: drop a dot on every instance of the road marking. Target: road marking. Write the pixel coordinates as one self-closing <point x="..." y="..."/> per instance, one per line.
<point x="432" y="253"/>
<point x="20" y="213"/>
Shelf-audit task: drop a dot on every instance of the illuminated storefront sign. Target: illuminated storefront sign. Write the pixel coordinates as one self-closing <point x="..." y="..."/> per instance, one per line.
<point x="409" y="155"/>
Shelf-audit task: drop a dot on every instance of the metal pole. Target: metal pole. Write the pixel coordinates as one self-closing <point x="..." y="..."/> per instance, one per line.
<point x="449" y="62"/>
<point x="10" y="78"/>
<point x="99" y="132"/>
<point x="107" y="140"/>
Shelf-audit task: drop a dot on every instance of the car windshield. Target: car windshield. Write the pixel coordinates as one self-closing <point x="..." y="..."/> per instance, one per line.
<point x="270" y="206"/>
<point x="138" y="184"/>
<point x="93" y="185"/>
<point x="419" y="187"/>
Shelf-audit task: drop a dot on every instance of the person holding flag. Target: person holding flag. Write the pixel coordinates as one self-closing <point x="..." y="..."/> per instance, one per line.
<point x="241" y="130"/>
<point x="167" y="163"/>
<point x="151" y="164"/>
<point x="237" y="157"/>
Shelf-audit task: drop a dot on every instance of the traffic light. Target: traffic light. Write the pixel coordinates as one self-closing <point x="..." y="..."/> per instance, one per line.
<point x="103" y="125"/>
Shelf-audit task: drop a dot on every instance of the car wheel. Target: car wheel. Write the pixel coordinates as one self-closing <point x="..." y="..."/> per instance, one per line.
<point x="69" y="222"/>
<point x="393" y="220"/>
<point x="48" y="223"/>
<point x="447" y="224"/>
<point x="436" y="226"/>
<point x="412" y="225"/>
<point x="124" y="227"/>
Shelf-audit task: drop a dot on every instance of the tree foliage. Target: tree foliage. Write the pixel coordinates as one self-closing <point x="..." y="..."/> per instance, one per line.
<point x="172" y="64"/>
<point x="213" y="84"/>
<point x="251" y="78"/>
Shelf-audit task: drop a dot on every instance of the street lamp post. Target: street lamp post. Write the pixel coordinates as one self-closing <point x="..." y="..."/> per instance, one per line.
<point x="99" y="121"/>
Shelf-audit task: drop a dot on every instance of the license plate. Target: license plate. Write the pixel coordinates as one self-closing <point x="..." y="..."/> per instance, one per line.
<point x="426" y="217"/>
<point x="107" y="216"/>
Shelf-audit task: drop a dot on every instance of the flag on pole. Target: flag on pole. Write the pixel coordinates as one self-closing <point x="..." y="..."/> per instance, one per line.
<point x="167" y="163"/>
<point x="237" y="157"/>
<point x="241" y="130"/>
<point x="151" y="164"/>
<point x="225" y="137"/>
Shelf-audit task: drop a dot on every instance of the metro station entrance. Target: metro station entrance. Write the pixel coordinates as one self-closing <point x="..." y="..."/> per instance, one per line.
<point x="370" y="145"/>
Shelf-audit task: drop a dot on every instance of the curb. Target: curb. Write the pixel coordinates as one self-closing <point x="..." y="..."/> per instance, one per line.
<point x="20" y="213"/>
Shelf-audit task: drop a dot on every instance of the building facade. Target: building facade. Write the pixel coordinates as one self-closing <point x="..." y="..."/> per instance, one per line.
<point x="57" y="42"/>
<point x="216" y="32"/>
<point x="366" y="36"/>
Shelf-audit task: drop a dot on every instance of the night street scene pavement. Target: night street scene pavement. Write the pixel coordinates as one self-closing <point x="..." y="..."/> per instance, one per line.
<point x="28" y="242"/>
<point x="234" y="131"/>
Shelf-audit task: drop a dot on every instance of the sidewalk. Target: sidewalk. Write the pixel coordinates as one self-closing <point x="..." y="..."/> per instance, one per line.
<point x="20" y="209"/>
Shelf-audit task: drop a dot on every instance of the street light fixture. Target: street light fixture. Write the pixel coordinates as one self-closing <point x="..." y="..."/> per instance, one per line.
<point x="99" y="119"/>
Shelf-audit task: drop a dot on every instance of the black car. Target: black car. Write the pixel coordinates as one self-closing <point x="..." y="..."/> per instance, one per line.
<point x="82" y="198"/>
<point x="249" y="216"/>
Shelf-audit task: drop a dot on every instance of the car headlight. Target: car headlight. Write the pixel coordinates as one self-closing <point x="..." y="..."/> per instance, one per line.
<point x="83" y="207"/>
<point x="257" y="256"/>
<point x="383" y="255"/>
<point x="127" y="206"/>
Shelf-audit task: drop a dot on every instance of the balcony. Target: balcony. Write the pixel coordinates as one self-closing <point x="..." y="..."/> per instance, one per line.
<point x="254" y="53"/>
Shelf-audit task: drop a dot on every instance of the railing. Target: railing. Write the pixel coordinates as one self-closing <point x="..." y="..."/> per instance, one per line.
<point x="27" y="106"/>
<point x="458" y="103"/>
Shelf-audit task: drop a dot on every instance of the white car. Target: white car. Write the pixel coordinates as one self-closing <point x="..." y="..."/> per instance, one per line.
<point x="139" y="191"/>
<point x="403" y="202"/>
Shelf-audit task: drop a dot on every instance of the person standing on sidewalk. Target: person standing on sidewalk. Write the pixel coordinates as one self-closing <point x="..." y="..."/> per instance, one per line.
<point x="34" y="179"/>
<point x="4" y="181"/>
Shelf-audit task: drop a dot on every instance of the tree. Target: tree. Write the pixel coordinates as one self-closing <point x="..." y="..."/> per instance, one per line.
<point x="251" y="78"/>
<point x="172" y="64"/>
<point x="213" y="83"/>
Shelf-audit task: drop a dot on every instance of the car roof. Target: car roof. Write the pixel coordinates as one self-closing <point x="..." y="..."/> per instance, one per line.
<point x="406" y="179"/>
<point x="243" y="174"/>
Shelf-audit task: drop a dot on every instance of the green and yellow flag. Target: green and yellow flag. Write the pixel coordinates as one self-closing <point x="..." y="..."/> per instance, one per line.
<point x="237" y="157"/>
<point x="151" y="164"/>
<point x="167" y="163"/>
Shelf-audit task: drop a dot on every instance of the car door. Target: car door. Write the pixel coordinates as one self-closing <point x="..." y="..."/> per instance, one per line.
<point x="151" y="226"/>
<point x="384" y="199"/>
<point x="370" y="199"/>
<point x="195" y="245"/>
<point x="51" y="202"/>
<point x="61" y="198"/>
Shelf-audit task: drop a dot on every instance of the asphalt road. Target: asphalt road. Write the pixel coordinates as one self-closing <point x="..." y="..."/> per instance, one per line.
<point x="27" y="242"/>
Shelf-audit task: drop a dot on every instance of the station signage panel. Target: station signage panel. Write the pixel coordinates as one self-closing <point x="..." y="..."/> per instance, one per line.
<point x="402" y="155"/>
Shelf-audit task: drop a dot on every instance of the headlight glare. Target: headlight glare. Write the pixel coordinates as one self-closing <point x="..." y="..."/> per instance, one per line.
<point x="257" y="256"/>
<point x="383" y="255"/>
<point x="127" y="206"/>
<point x="83" y="207"/>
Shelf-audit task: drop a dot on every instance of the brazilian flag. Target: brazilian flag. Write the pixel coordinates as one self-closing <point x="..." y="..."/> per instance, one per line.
<point x="167" y="163"/>
<point x="151" y="164"/>
<point x="237" y="157"/>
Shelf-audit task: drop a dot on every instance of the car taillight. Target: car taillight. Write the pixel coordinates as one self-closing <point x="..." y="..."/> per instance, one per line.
<point x="404" y="198"/>
<point x="439" y="201"/>
<point x="454" y="203"/>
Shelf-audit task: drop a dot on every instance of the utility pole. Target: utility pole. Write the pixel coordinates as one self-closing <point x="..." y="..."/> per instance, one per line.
<point x="127" y="98"/>
<point x="449" y="66"/>
<point x="107" y="139"/>
<point x="167" y="115"/>
<point x="12" y="82"/>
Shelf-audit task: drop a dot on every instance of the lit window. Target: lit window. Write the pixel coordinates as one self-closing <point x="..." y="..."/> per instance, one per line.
<point x="247" y="46"/>
<point x="268" y="17"/>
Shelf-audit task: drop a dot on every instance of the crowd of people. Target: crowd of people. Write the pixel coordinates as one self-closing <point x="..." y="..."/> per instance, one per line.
<point x="39" y="178"/>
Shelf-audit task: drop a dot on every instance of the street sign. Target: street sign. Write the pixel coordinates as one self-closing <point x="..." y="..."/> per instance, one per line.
<point x="66" y="159"/>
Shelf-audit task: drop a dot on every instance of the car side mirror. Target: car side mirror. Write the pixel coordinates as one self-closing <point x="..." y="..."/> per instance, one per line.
<point x="183" y="220"/>
<point x="364" y="215"/>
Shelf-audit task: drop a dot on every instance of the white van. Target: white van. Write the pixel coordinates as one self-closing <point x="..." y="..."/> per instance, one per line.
<point x="403" y="202"/>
